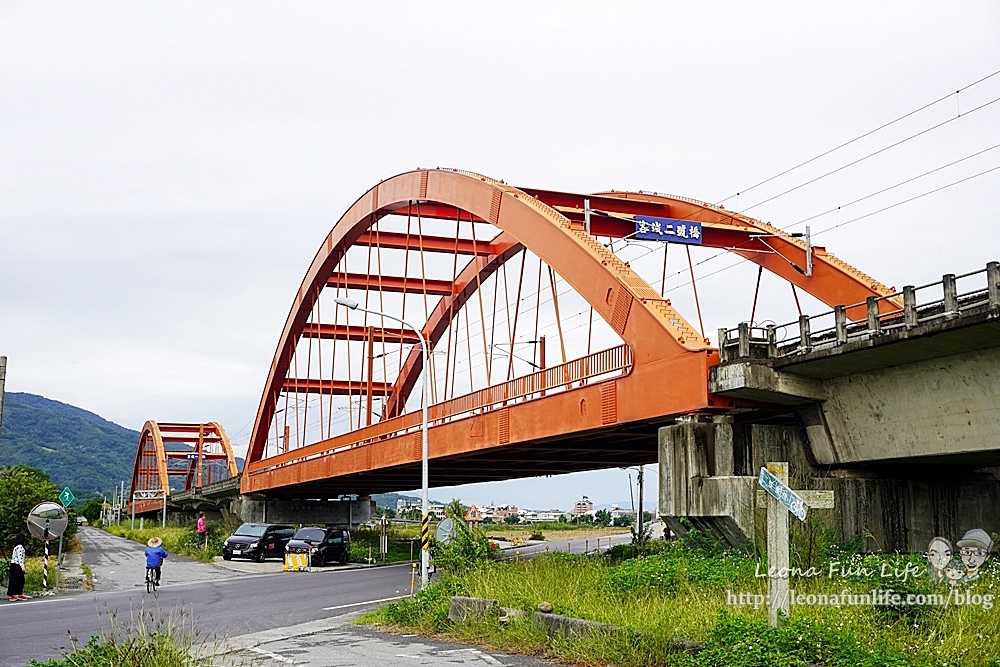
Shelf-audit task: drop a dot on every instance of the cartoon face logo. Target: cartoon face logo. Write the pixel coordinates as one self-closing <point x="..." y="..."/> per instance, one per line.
<point x="939" y="554"/>
<point x="954" y="572"/>
<point x="974" y="547"/>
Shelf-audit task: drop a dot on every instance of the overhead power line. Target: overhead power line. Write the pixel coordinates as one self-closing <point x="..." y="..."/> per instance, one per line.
<point x="860" y="137"/>
<point x="872" y="154"/>
<point x="907" y="201"/>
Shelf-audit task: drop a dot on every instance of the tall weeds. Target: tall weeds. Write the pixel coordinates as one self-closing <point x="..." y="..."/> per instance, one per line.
<point x="143" y="638"/>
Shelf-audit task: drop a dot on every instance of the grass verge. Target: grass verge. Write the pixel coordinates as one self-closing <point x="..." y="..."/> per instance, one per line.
<point x="679" y="590"/>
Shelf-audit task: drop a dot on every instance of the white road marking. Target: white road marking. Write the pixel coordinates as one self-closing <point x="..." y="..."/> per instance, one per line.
<point x="476" y="652"/>
<point x="273" y="656"/>
<point x="403" y="655"/>
<point x="358" y="604"/>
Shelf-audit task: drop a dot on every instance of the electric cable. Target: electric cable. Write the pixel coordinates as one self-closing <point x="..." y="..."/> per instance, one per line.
<point x="860" y="137"/>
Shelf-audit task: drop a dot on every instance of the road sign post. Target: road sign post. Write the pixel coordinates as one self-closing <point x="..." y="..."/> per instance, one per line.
<point x="66" y="497"/>
<point x="149" y="494"/>
<point x="383" y="537"/>
<point x="780" y="500"/>
<point x="47" y="521"/>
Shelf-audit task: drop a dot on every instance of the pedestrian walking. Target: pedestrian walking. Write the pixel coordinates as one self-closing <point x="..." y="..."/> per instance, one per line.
<point x="15" y="581"/>
<point x="202" y="530"/>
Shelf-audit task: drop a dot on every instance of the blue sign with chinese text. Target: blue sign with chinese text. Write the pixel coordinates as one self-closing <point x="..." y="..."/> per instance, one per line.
<point x="671" y="230"/>
<point x="792" y="501"/>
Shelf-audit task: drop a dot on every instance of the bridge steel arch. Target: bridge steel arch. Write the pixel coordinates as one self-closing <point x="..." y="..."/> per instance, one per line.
<point x="664" y="365"/>
<point x="196" y="453"/>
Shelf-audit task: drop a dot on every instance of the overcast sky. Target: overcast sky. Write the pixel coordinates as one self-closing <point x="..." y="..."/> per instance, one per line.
<point x="167" y="171"/>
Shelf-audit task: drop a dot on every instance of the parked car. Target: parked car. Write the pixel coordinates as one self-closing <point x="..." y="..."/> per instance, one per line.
<point x="257" y="541"/>
<point x="324" y="545"/>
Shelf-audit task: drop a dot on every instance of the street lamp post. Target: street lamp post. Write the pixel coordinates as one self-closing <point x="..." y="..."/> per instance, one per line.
<point x="640" y="470"/>
<point x="425" y="505"/>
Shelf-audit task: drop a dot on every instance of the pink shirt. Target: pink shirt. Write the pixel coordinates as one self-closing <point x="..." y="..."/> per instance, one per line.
<point x="201" y="525"/>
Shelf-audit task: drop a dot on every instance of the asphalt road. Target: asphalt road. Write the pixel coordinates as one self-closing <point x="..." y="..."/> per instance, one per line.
<point x="219" y="601"/>
<point x="272" y="615"/>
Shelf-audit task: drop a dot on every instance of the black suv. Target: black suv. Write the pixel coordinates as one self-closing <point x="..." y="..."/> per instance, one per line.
<point x="257" y="541"/>
<point x="324" y="545"/>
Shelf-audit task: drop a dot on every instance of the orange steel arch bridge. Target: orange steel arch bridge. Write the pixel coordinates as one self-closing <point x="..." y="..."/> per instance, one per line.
<point x="174" y="457"/>
<point x="550" y="353"/>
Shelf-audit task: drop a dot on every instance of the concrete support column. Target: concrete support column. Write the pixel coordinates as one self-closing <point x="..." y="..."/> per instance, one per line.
<point x="721" y="505"/>
<point x="345" y="513"/>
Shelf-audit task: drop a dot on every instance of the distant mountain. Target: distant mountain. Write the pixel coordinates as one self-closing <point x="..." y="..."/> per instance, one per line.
<point x="76" y="448"/>
<point x="389" y="499"/>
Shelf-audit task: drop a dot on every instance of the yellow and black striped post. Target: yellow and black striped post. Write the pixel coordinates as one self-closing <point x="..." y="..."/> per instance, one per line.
<point x="425" y="532"/>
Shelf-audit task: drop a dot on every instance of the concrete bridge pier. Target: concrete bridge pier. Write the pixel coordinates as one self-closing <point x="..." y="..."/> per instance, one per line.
<point x="345" y="513"/>
<point x="708" y="474"/>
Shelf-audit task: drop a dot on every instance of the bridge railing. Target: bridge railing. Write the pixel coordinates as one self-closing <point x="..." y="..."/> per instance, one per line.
<point x="951" y="297"/>
<point x="613" y="362"/>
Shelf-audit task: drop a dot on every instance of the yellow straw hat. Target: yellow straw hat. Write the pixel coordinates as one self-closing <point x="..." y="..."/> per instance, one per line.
<point x="154" y="542"/>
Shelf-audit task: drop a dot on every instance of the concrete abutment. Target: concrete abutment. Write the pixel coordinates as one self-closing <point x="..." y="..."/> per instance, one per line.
<point x="346" y="513"/>
<point x="708" y="472"/>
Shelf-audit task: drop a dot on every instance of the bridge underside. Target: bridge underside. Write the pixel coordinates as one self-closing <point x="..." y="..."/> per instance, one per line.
<point x="625" y="446"/>
<point x="338" y="414"/>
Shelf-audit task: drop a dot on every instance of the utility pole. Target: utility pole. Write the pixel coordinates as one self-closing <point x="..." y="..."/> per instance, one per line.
<point x="639" y="534"/>
<point x="3" y="375"/>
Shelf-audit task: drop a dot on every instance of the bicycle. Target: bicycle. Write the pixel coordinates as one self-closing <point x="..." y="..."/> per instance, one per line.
<point x="151" y="582"/>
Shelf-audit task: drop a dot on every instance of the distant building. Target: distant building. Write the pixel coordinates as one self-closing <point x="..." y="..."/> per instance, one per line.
<point x="547" y="516"/>
<point x="582" y="506"/>
<point x="499" y="512"/>
<point x="404" y="504"/>
<point x="474" y="516"/>
<point x="617" y="511"/>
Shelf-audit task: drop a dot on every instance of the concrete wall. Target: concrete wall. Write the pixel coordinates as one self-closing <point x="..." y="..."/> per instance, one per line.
<point x="948" y="406"/>
<point x="708" y="474"/>
<point x="346" y="513"/>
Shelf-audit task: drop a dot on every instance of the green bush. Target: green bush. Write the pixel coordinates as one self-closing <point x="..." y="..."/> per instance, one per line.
<point x="21" y="488"/>
<point x="737" y="641"/>
<point x="469" y="547"/>
<point x="427" y="610"/>
<point x="661" y="572"/>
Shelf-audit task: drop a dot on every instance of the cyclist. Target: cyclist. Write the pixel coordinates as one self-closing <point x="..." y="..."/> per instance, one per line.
<point x="154" y="556"/>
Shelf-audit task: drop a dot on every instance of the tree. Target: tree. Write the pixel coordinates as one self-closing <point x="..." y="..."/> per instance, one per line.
<point x="602" y="518"/>
<point x="563" y="519"/>
<point x="411" y="513"/>
<point x="21" y="488"/>
<point x="583" y="520"/>
<point x="622" y="521"/>
<point x="92" y="508"/>
<point x="455" y="509"/>
<point x="512" y="519"/>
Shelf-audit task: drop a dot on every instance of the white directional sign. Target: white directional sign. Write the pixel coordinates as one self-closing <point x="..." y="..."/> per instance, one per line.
<point x="784" y="495"/>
